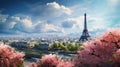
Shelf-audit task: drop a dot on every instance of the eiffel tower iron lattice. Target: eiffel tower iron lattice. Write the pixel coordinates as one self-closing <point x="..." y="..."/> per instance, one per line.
<point x="85" y="35"/>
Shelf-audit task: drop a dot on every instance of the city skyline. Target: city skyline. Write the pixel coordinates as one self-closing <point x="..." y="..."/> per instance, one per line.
<point x="57" y="17"/>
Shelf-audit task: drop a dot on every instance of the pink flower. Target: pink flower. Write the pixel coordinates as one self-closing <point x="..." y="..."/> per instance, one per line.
<point x="49" y="60"/>
<point x="52" y="61"/>
<point x="117" y="56"/>
<point x="64" y="63"/>
<point x="9" y="57"/>
<point x="102" y="52"/>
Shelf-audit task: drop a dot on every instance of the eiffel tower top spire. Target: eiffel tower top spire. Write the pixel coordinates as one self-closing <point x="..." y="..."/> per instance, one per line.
<point x="85" y="24"/>
<point x="85" y="35"/>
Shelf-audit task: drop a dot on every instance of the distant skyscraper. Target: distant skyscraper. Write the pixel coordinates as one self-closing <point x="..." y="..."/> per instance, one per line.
<point x="85" y="35"/>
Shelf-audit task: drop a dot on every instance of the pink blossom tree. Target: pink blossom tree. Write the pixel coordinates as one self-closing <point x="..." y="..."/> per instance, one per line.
<point x="101" y="52"/>
<point x="9" y="57"/>
<point x="52" y="61"/>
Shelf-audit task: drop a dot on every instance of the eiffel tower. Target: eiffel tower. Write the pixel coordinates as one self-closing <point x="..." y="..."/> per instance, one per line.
<point x="85" y="35"/>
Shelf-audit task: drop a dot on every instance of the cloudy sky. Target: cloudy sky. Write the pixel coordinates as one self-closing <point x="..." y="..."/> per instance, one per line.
<point x="64" y="17"/>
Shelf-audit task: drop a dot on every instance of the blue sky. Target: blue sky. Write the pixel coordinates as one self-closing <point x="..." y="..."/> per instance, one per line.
<point x="59" y="17"/>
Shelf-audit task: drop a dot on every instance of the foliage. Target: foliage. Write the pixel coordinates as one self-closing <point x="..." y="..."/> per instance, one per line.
<point x="101" y="52"/>
<point x="65" y="46"/>
<point x="10" y="58"/>
<point x="73" y="47"/>
<point x="55" y="45"/>
<point x="34" y="45"/>
<point x="52" y="61"/>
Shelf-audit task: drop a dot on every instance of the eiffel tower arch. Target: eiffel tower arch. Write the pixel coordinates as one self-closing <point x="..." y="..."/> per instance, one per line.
<point x="85" y="35"/>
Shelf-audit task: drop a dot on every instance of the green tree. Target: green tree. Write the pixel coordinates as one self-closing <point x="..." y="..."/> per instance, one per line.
<point x="63" y="47"/>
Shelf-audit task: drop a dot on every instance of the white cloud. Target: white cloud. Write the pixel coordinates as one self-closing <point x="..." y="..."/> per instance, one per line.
<point x="11" y="24"/>
<point x="73" y="24"/>
<point x="50" y="10"/>
<point x="27" y="25"/>
<point x="3" y="18"/>
<point x="16" y="24"/>
<point x="48" y="28"/>
<point x="68" y="23"/>
<point x="23" y="24"/>
<point x="113" y="2"/>
<point x="16" y="18"/>
<point x="60" y="8"/>
<point x="77" y="22"/>
<point x="96" y="23"/>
